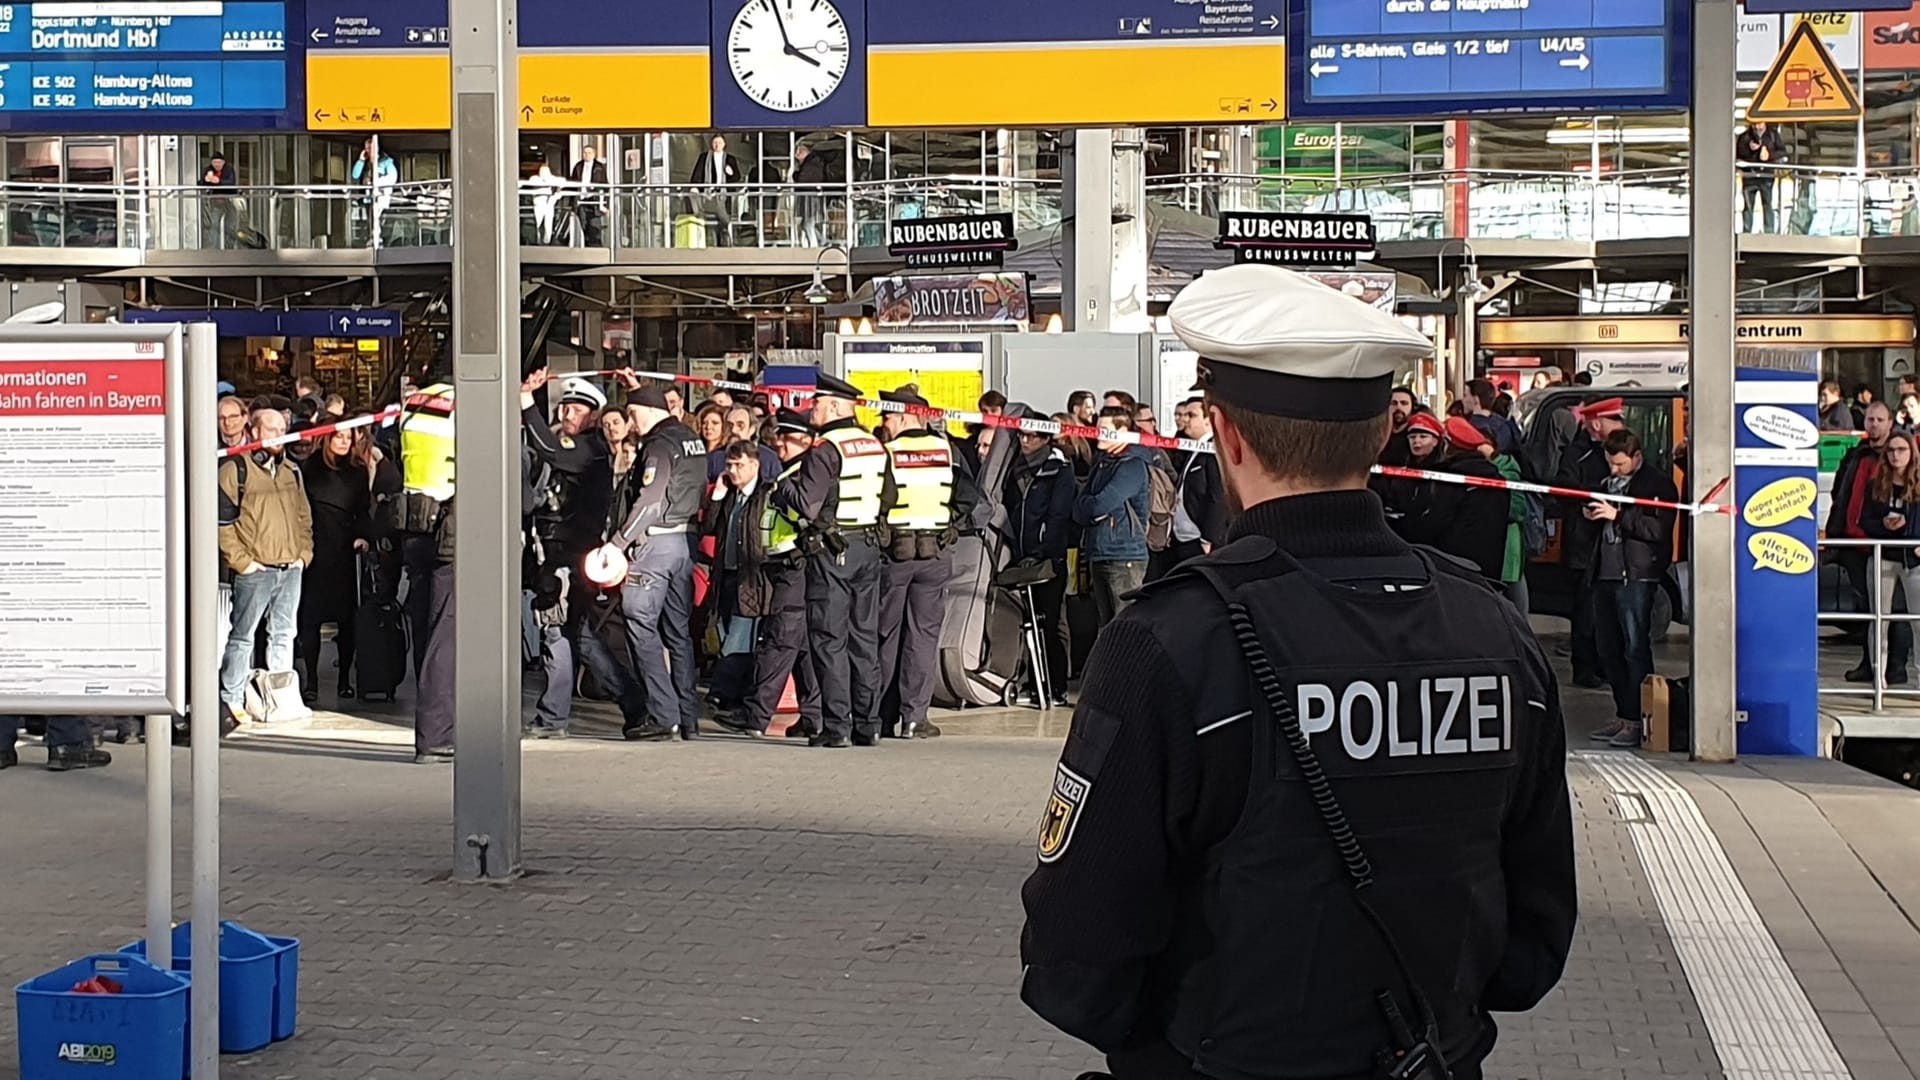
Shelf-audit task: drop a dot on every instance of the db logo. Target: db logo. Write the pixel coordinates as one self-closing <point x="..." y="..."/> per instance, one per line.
<point x="1897" y="34"/>
<point x="1609" y="330"/>
<point x="146" y="348"/>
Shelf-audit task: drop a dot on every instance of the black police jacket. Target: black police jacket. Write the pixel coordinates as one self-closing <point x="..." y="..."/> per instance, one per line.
<point x="1188" y="901"/>
<point x="581" y="469"/>
<point x="666" y="485"/>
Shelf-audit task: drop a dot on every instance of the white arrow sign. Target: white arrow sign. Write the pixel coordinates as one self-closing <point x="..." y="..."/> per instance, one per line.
<point x="319" y="35"/>
<point x="1580" y="62"/>
<point x="344" y="323"/>
<point x="1318" y="69"/>
<point x="1273" y="22"/>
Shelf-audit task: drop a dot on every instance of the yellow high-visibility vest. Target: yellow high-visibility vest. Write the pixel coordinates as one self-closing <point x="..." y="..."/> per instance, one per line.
<point x="426" y="442"/>
<point x="778" y="532"/>
<point x="922" y="466"/>
<point x="863" y="472"/>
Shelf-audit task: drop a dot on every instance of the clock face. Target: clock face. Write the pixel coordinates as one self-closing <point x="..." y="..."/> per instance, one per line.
<point x="788" y="55"/>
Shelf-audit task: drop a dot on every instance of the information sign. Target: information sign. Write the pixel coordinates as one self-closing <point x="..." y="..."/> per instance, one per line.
<point x="950" y="372"/>
<point x="87" y="567"/>
<point x="1427" y="57"/>
<point x="105" y="64"/>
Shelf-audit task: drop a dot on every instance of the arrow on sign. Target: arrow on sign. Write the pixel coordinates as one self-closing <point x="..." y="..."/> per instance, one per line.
<point x="1580" y="62"/>
<point x="344" y="323"/>
<point x="1318" y="69"/>
<point x="1272" y="23"/>
<point x="322" y="115"/>
<point x="526" y="114"/>
<point x="1270" y="105"/>
<point x="319" y="35"/>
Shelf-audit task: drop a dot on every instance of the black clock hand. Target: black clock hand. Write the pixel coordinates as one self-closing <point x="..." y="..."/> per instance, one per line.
<point x="774" y="6"/>
<point x="803" y="55"/>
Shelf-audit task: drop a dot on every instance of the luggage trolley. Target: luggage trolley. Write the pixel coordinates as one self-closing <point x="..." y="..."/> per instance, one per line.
<point x="1020" y="581"/>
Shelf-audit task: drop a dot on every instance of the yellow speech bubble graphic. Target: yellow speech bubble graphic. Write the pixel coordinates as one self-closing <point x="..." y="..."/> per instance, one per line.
<point x="1778" y="551"/>
<point x="1782" y="501"/>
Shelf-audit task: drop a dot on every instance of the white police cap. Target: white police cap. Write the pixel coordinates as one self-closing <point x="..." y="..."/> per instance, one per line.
<point x="1278" y="342"/>
<point x="582" y="392"/>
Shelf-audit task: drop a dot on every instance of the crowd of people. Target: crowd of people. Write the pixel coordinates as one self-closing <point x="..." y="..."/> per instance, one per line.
<point x="736" y="545"/>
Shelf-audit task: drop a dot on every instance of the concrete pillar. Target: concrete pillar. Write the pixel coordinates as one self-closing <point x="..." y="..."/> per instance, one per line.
<point x="1104" y="260"/>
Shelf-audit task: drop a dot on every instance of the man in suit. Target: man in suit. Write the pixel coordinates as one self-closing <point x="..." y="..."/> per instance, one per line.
<point x="590" y="176"/>
<point x="1200" y="515"/>
<point x="810" y="199"/>
<point x="715" y="171"/>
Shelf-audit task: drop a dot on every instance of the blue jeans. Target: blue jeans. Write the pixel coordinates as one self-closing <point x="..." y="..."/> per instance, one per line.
<point x="62" y="731"/>
<point x="1622" y="611"/>
<point x="273" y="595"/>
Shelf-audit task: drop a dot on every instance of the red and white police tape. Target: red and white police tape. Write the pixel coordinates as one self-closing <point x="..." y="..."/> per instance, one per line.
<point x="319" y="431"/>
<point x="1054" y="428"/>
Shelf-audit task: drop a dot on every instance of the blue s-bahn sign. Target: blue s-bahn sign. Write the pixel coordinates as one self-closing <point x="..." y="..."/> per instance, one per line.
<point x="1408" y="58"/>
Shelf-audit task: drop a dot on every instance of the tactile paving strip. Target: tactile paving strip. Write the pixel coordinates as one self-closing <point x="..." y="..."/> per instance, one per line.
<point x="1762" y="1024"/>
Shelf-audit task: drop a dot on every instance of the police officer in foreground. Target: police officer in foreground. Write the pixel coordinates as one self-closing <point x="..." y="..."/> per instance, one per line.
<point x="423" y="517"/>
<point x="576" y="485"/>
<point x="922" y="497"/>
<point x="1209" y="902"/>
<point x="836" y="498"/>
<point x="655" y="512"/>
<point x="782" y="646"/>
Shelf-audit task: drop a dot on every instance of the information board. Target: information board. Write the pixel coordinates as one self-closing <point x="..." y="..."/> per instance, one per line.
<point x="951" y="373"/>
<point x="91" y="542"/>
<point x="1398" y="58"/>
<point x="107" y="65"/>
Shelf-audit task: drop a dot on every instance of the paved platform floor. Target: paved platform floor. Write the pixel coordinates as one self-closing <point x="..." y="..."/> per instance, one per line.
<point x="733" y="909"/>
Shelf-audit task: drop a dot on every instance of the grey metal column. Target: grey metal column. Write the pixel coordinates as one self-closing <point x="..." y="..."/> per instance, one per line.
<point x="1086" y="237"/>
<point x="1711" y="287"/>
<point x="203" y="687"/>
<point x="486" y="368"/>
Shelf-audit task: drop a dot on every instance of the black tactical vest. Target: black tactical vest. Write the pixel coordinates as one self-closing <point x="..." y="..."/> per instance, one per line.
<point x="1414" y="688"/>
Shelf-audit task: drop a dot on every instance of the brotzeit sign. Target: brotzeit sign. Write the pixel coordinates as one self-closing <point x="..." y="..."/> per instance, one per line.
<point x="1296" y="239"/>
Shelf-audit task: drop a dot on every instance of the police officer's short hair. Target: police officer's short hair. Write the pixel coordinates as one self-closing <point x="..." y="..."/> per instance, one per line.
<point x="1320" y="452"/>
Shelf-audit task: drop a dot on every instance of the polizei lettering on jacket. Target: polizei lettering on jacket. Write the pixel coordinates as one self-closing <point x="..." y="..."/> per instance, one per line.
<point x="1380" y="719"/>
<point x="972" y="232"/>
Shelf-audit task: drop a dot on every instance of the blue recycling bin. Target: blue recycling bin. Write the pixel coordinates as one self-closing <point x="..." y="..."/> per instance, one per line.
<point x="139" y="1034"/>
<point x="286" y="998"/>
<point x="249" y="982"/>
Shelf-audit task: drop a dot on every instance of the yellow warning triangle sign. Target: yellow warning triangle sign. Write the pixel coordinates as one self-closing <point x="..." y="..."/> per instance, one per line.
<point x="1804" y="83"/>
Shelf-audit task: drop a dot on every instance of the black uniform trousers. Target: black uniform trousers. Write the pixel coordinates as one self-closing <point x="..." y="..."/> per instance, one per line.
<point x="433" y="698"/>
<point x="913" y="608"/>
<point x="782" y="650"/>
<point x="657" y="601"/>
<point x="843" y="616"/>
<point x="577" y="642"/>
<point x="63" y="732"/>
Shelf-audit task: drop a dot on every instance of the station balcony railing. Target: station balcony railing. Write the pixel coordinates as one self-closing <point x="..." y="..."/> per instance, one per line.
<point x="1646" y="204"/>
<point x="1506" y="204"/>
<point x="1881" y="561"/>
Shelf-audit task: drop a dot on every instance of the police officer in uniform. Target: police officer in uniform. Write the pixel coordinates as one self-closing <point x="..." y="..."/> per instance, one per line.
<point x="782" y="647"/>
<point x="836" y="497"/>
<point x="662" y="495"/>
<point x="922" y="498"/>
<point x="1312" y="706"/>
<point x="577" y="474"/>
<point x="423" y="516"/>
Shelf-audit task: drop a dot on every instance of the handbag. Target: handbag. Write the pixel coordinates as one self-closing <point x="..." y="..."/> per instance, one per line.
<point x="1412" y="1056"/>
<point x="273" y="697"/>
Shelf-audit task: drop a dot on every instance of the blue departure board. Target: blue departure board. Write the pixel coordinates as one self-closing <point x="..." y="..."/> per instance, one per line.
<point x="107" y="64"/>
<point x="1408" y="58"/>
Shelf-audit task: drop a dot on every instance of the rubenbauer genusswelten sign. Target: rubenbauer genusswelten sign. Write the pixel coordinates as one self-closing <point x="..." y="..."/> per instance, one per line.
<point x="968" y="240"/>
<point x="1296" y="239"/>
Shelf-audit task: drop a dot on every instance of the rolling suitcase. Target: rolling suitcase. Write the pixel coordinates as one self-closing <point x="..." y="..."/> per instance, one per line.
<point x="380" y="639"/>
<point x="982" y="642"/>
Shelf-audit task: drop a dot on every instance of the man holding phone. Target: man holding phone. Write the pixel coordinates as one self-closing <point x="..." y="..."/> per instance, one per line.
<point x="1635" y="546"/>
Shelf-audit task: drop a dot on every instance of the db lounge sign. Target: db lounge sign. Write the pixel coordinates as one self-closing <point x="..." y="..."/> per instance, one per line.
<point x="1296" y="239"/>
<point x="966" y="241"/>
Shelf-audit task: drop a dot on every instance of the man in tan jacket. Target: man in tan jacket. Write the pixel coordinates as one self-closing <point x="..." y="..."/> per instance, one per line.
<point x="266" y="540"/>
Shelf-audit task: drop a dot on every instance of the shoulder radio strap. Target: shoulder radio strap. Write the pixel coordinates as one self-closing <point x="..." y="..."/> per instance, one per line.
<point x="1413" y="1057"/>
